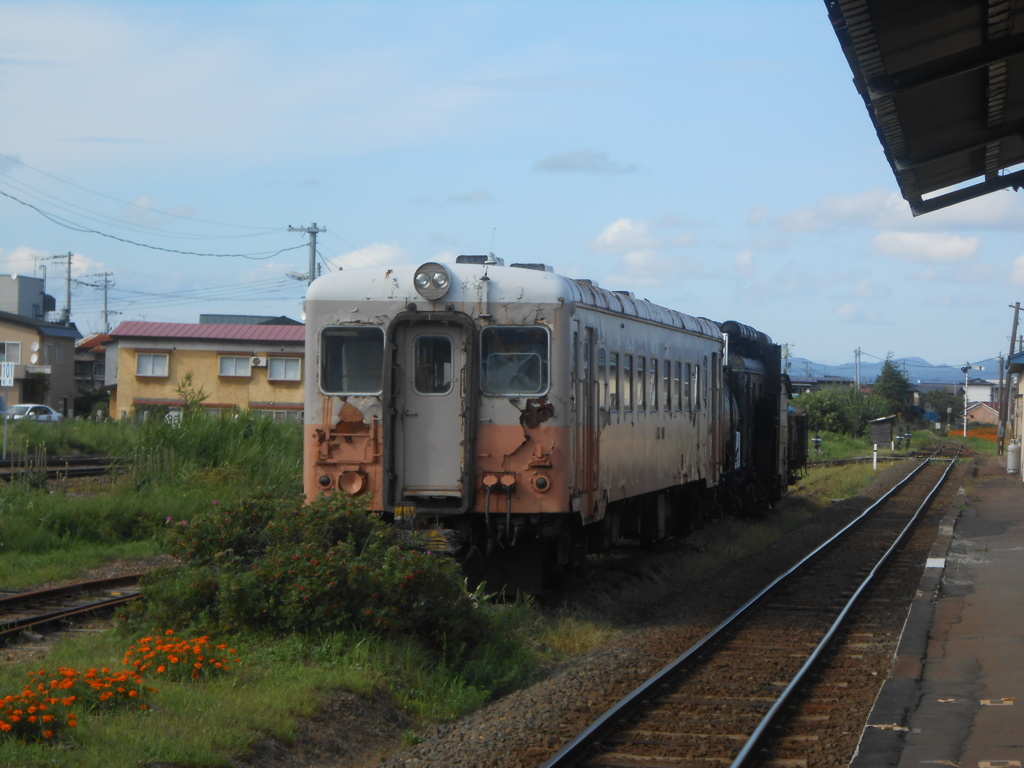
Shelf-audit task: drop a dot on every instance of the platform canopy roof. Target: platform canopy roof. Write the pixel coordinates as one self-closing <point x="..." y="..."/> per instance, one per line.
<point x="943" y="82"/>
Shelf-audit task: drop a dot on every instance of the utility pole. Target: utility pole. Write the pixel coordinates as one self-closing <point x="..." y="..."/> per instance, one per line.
<point x="311" y="230"/>
<point x="1004" y="387"/>
<point x="966" y="369"/>
<point x="65" y="315"/>
<point x="856" y="367"/>
<point x="106" y="285"/>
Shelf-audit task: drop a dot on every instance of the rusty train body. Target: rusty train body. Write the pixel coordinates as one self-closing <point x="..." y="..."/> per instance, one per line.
<point x="531" y="417"/>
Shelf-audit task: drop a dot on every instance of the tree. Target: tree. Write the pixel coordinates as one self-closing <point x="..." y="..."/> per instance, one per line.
<point x="893" y="387"/>
<point x="193" y="397"/>
<point x="844" y="410"/>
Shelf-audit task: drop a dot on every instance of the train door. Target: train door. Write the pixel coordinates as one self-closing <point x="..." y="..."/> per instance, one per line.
<point x="586" y="437"/>
<point x="429" y="462"/>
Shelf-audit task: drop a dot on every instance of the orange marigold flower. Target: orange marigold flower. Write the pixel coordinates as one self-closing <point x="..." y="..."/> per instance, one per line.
<point x="47" y="734"/>
<point x="161" y="669"/>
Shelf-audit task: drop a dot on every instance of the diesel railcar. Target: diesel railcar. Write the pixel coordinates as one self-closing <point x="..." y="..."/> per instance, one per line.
<point x="532" y="417"/>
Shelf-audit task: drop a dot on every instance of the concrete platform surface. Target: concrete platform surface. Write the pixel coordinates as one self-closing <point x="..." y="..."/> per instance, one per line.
<point x="956" y="694"/>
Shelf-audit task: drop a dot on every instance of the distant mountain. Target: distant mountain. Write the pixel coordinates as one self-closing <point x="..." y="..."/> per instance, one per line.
<point x="916" y="369"/>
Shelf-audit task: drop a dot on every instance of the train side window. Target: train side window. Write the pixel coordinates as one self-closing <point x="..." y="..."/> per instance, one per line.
<point x="666" y="383"/>
<point x="627" y="383"/>
<point x="432" y="362"/>
<point x="613" y="382"/>
<point x="641" y="384"/>
<point x="352" y="360"/>
<point x="677" y="385"/>
<point x="695" y="389"/>
<point x="602" y="378"/>
<point x="652" y="383"/>
<point x="514" y="360"/>
<point x="687" y="385"/>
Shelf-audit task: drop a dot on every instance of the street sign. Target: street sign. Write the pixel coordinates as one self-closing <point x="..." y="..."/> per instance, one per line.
<point x="6" y="374"/>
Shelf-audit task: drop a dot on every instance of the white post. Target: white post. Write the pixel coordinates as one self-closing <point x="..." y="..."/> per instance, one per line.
<point x="874" y="463"/>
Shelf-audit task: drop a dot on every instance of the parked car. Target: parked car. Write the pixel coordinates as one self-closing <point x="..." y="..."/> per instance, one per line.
<point x="34" y="411"/>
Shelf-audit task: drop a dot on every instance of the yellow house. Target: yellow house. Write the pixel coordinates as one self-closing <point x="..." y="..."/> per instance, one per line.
<point x="153" y="366"/>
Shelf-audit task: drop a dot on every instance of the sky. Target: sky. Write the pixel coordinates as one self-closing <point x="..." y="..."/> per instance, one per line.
<point x="714" y="158"/>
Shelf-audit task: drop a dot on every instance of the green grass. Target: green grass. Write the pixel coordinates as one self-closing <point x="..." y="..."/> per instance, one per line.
<point x="279" y="681"/>
<point x="53" y="532"/>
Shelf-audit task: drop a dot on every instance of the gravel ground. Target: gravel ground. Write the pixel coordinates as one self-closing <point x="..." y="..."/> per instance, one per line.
<point x="525" y="728"/>
<point x="660" y="611"/>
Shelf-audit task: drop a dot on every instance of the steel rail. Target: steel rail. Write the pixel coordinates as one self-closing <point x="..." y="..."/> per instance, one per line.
<point x="573" y="751"/>
<point x="12" y="625"/>
<point x="746" y="753"/>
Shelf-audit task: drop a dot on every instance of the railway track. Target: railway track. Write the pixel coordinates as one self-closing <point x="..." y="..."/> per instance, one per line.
<point x="59" y="467"/>
<point x="718" y="703"/>
<point x="42" y="608"/>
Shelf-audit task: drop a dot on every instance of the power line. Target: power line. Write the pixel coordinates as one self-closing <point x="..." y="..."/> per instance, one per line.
<point x="10" y="158"/>
<point x="259" y="256"/>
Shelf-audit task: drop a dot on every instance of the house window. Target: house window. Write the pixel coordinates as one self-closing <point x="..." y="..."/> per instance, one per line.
<point x="99" y="369"/>
<point x="10" y="352"/>
<point x="282" y="416"/>
<point x="284" y="369"/>
<point x="231" y="365"/>
<point x="151" y="364"/>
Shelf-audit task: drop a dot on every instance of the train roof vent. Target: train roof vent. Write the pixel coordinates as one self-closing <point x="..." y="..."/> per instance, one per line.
<point x="480" y="258"/>
<point x="625" y="293"/>
<point x="536" y="266"/>
<point x="591" y="283"/>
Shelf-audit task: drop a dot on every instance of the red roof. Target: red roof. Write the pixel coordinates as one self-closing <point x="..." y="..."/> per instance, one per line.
<point x="141" y="330"/>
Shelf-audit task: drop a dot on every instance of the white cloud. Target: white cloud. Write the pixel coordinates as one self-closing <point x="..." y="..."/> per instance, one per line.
<point x="885" y="209"/>
<point x="22" y="260"/>
<point x="623" y="236"/>
<point x="858" y="315"/>
<point x="870" y="289"/>
<point x="745" y="263"/>
<point x="934" y="247"/>
<point x="377" y="254"/>
<point x="1017" y="272"/>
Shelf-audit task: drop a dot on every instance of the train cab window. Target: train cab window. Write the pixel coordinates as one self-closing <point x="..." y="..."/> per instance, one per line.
<point x="514" y="360"/>
<point x="666" y="380"/>
<point x="351" y="360"/>
<point x="613" y="382"/>
<point x="641" y="384"/>
<point x="432" y="361"/>
<point x="627" y="383"/>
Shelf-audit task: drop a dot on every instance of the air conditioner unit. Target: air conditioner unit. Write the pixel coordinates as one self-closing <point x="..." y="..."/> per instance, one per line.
<point x="259" y="362"/>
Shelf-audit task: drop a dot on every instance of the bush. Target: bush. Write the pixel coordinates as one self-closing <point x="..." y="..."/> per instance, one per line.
<point x="285" y="566"/>
<point x="844" y="410"/>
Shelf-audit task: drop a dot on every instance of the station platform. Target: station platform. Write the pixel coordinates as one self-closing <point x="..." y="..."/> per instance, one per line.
<point x="955" y="696"/>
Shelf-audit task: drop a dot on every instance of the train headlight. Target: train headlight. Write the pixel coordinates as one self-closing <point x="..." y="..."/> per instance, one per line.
<point x="432" y="281"/>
